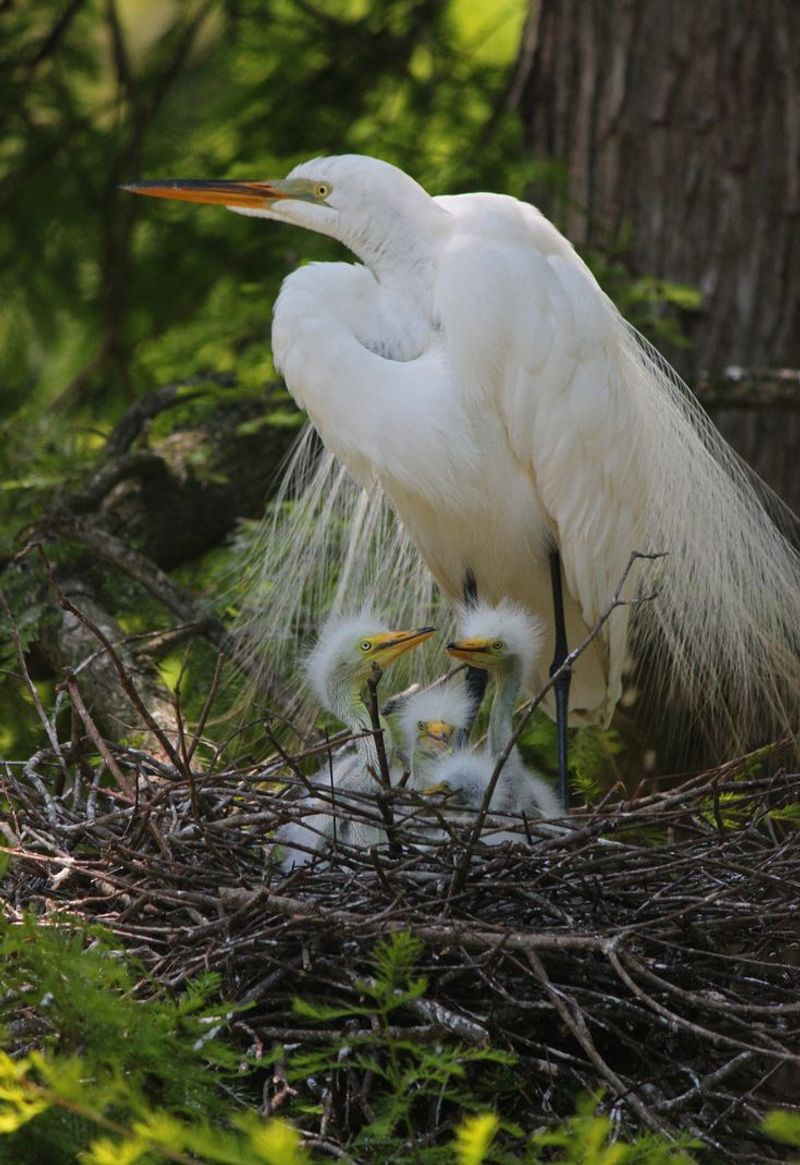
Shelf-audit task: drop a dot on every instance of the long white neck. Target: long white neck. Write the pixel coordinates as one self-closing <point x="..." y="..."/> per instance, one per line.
<point x="404" y="257"/>
<point x="348" y="705"/>
<point x="395" y="230"/>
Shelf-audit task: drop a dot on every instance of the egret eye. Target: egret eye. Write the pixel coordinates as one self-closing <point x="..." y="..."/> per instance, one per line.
<point x="366" y="645"/>
<point x="322" y="190"/>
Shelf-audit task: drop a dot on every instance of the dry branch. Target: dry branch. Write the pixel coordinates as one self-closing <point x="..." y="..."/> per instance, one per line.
<point x="662" y="971"/>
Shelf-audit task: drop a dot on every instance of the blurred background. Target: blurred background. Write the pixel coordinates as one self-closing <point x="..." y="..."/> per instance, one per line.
<point x="142" y="425"/>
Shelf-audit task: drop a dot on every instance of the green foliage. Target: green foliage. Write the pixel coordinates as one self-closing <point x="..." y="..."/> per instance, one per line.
<point x="104" y="283"/>
<point x="102" y="1050"/>
<point x="654" y="306"/>
<point x="592" y="753"/>
<point x="588" y="1139"/>
<point x="105" y="295"/>
<point x="131" y="1131"/>
<point x="109" y="1077"/>
<point x="783" y="1127"/>
<point x="474" y="1137"/>
<point x="408" y="1074"/>
<point x="475" y="1088"/>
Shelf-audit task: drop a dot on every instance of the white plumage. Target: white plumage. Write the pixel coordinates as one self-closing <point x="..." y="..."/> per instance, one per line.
<point x="506" y="642"/>
<point x="471" y="371"/>
<point x="339" y="668"/>
<point x="427" y="725"/>
<point x="458" y="786"/>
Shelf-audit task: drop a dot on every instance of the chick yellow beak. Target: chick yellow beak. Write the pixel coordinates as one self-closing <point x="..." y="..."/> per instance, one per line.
<point x="220" y="192"/>
<point x="472" y="651"/>
<point x="391" y="644"/>
<point x="442" y="789"/>
<point x="438" y="732"/>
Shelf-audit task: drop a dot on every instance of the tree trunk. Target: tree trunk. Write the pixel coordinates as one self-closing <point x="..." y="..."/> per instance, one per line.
<point x="679" y="126"/>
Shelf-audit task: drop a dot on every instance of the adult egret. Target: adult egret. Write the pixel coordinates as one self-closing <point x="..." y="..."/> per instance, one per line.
<point x="338" y="669"/>
<point x="504" y="641"/>
<point x="471" y="369"/>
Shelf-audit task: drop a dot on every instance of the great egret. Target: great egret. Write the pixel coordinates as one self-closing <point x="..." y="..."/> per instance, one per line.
<point x="339" y="668"/>
<point x="504" y="641"/>
<point x="472" y="370"/>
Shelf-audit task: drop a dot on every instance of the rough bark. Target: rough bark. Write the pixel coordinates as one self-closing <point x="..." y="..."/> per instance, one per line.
<point x="188" y="494"/>
<point x="71" y="647"/>
<point x="145" y="511"/>
<point x="679" y="124"/>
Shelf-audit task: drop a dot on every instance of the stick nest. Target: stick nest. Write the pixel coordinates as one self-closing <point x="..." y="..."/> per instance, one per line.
<point x="650" y="951"/>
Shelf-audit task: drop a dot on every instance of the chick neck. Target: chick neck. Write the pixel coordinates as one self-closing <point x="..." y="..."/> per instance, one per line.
<point x="507" y="684"/>
<point x="349" y="702"/>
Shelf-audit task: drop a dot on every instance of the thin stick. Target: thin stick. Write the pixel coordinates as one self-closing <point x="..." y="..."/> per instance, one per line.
<point x="124" y="678"/>
<point x="462" y="869"/>
<point x="383" y="775"/>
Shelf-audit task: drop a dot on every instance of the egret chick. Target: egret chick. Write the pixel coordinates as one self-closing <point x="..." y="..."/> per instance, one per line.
<point x="428" y="725"/>
<point x="506" y="641"/>
<point x="459" y="784"/>
<point x="339" y="668"/>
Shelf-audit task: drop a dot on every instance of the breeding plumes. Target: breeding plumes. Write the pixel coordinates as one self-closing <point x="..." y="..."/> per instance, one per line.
<point x="505" y="641"/>
<point x="339" y="669"/>
<point x="471" y="371"/>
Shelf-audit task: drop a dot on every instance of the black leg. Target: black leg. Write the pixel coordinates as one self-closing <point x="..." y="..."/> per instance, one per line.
<point x="476" y="678"/>
<point x="561" y="685"/>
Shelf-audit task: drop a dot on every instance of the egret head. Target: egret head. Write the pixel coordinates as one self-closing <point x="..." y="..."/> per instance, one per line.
<point x="341" y="661"/>
<point x="362" y="201"/>
<point x="460" y="781"/>
<point x="429" y="722"/>
<point x="498" y="639"/>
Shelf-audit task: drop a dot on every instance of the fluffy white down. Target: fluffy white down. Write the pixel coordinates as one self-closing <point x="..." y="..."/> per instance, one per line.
<point x="518" y="790"/>
<point x="337" y="647"/>
<point x="303" y="838"/>
<point x="522" y="632"/>
<point x="447" y="702"/>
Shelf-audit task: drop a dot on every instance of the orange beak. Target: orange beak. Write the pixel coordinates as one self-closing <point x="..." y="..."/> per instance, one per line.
<point x="220" y="192"/>
<point x="390" y="644"/>
<point x="472" y="651"/>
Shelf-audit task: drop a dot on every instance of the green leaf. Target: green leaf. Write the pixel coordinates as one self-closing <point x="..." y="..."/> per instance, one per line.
<point x="784" y="1127"/>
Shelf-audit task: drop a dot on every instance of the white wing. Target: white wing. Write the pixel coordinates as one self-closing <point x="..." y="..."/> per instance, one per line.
<point x="553" y="379"/>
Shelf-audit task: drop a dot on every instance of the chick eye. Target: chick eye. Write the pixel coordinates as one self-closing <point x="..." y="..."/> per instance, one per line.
<point x="366" y="645"/>
<point x="322" y="190"/>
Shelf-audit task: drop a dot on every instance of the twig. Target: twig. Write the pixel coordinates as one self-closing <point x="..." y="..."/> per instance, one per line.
<point x="207" y="706"/>
<point x="383" y="775"/>
<point x="32" y="690"/>
<point x="122" y="674"/>
<point x="462" y="869"/>
<point x="574" y="1019"/>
